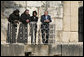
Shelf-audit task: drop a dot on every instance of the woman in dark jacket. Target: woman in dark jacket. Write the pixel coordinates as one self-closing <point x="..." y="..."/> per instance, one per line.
<point x="14" y="17"/>
<point x="34" y="17"/>
<point x="33" y="24"/>
<point x="23" y="29"/>
<point x="12" y="26"/>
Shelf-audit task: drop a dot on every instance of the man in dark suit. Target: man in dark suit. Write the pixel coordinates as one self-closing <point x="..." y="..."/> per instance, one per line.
<point x="45" y="20"/>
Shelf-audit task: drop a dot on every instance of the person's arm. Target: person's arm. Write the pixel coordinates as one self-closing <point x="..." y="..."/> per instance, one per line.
<point x="50" y="19"/>
<point x="42" y="19"/>
<point x="10" y="19"/>
<point x="23" y="18"/>
<point x="36" y="19"/>
<point x="30" y="19"/>
<point x="18" y="17"/>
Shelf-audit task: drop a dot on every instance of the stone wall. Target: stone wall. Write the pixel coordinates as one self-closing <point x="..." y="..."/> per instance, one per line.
<point x="70" y="21"/>
<point x="59" y="49"/>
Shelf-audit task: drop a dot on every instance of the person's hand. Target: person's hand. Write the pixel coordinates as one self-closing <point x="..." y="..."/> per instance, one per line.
<point x="46" y="21"/>
<point x="16" y="21"/>
<point x="27" y="21"/>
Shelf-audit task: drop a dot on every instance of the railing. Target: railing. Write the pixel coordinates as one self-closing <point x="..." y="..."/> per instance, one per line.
<point x="26" y="34"/>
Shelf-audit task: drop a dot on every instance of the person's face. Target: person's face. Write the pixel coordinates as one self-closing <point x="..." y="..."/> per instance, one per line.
<point x="45" y="13"/>
<point x="27" y="12"/>
<point x="34" y="14"/>
<point x="17" y="13"/>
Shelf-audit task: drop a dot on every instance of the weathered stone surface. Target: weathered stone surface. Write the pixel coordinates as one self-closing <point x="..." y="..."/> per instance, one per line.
<point x="65" y="37"/>
<point x="70" y="18"/>
<point x="5" y="50"/>
<point x="4" y="24"/>
<point x="55" y="50"/>
<point x="37" y="50"/>
<point x="66" y="23"/>
<point x="12" y="50"/>
<point x="59" y="24"/>
<point x="74" y="15"/>
<point x="69" y="37"/>
<point x="66" y="8"/>
<point x="58" y="49"/>
<point x="80" y="3"/>
<point x="58" y="37"/>
<point x="22" y="3"/>
<point x="80" y="50"/>
<point x="3" y="37"/>
<point x="72" y="49"/>
<point x="66" y="18"/>
<point x="44" y="50"/>
<point x="73" y="36"/>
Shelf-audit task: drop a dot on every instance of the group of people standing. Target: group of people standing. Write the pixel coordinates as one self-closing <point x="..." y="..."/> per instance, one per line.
<point x="25" y="19"/>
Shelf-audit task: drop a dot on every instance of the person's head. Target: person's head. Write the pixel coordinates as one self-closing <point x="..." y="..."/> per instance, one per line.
<point x="34" y="13"/>
<point x="46" y="13"/>
<point x="26" y="11"/>
<point x="16" y="12"/>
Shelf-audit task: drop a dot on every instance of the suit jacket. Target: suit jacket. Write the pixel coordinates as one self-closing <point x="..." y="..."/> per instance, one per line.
<point x="43" y="18"/>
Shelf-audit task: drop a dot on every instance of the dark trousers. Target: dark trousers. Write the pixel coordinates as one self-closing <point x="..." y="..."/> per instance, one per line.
<point x="45" y="32"/>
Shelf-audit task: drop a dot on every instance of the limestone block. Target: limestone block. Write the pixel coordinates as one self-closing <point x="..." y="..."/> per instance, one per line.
<point x="66" y="23"/>
<point x="65" y="36"/>
<point x="44" y="50"/>
<point x="59" y="24"/>
<point x="12" y="50"/>
<point x="2" y="36"/>
<point x="22" y="3"/>
<point x="81" y="50"/>
<point x="58" y="37"/>
<point x="55" y="49"/>
<point x="4" y="50"/>
<point x="37" y="50"/>
<point x="66" y="8"/>
<point x="74" y="23"/>
<point x="67" y="16"/>
<point x="74" y="37"/>
<point x="74" y="16"/>
<point x="72" y="49"/>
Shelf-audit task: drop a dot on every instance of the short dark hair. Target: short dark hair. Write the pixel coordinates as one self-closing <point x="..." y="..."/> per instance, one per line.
<point x="16" y="11"/>
<point x="34" y="12"/>
<point x="26" y="10"/>
<point x="45" y="11"/>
